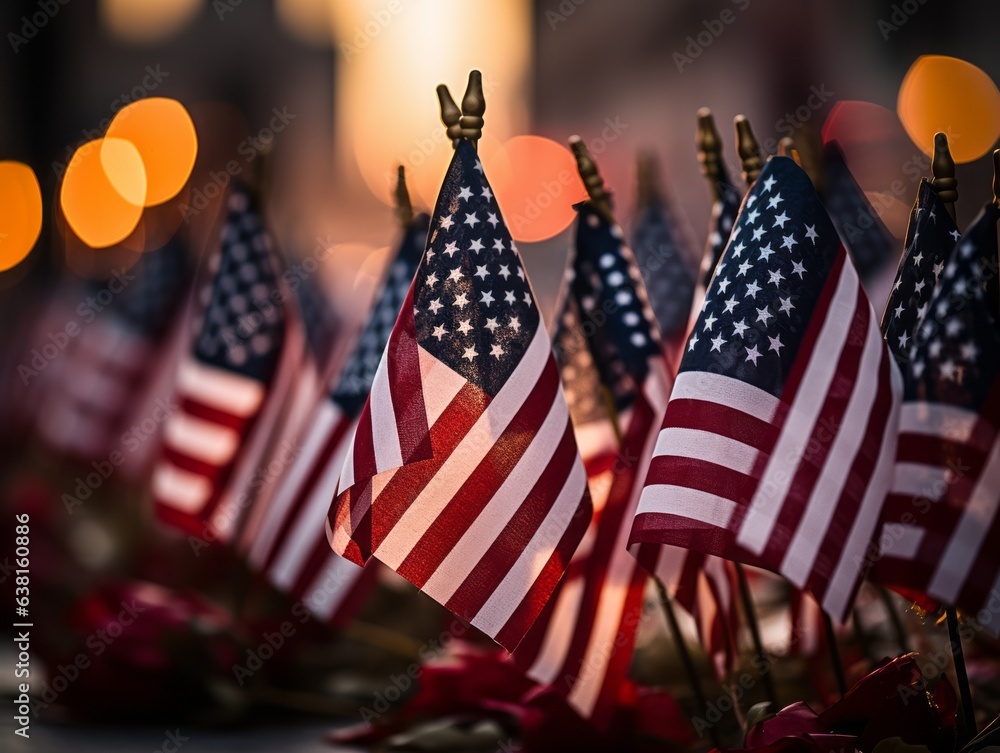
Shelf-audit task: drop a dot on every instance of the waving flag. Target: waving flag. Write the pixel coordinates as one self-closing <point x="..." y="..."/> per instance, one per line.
<point x="231" y="386"/>
<point x="103" y="372"/>
<point x="287" y="541"/>
<point x="931" y="236"/>
<point x="463" y="475"/>
<point x="778" y="443"/>
<point x="942" y="530"/>
<point x="588" y="633"/>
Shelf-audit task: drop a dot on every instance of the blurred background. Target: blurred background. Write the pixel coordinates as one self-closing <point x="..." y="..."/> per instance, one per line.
<point x="124" y="121"/>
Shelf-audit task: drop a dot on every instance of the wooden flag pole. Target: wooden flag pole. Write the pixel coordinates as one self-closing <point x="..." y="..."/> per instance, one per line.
<point x="404" y="208"/>
<point x="838" y="666"/>
<point x="944" y="182"/>
<point x="675" y="629"/>
<point x="710" y="152"/>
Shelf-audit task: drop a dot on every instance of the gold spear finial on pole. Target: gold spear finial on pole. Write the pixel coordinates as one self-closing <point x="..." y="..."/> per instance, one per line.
<point x="404" y="209"/>
<point x="600" y="199"/>
<point x="943" y="172"/>
<point x="748" y="149"/>
<point x="709" y="151"/>
<point x="466" y="123"/>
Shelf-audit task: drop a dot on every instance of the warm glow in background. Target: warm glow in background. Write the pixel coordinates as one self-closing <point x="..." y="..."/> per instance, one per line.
<point x="20" y="213"/>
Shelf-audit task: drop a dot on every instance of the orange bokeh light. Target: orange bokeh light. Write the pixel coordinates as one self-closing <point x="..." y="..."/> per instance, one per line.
<point x="163" y="132"/>
<point x="21" y="218"/>
<point x="536" y="184"/>
<point x="102" y="190"/>
<point x="941" y="93"/>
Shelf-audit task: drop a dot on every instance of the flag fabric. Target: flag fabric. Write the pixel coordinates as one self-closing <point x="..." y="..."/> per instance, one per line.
<point x="778" y="443"/>
<point x="287" y="540"/>
<point x="120" y="343"/>
<point x="231" y="385"/>
<point x="666" y="270"/>
<point x="931" y="235"/>
<point x="583" y="643"/>
<point x="942" y="534"/>
<point x="867" y="239"/>
<point x="463" y="475"/>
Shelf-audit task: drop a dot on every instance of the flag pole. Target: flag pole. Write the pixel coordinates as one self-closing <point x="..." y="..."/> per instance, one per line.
<point x="709" y="147"/>
<point x="675" y="629"/>
<point x="944" y="182"/>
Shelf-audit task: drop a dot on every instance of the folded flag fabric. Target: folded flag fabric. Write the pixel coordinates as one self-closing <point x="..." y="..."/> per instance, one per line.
<point x="463" y="474"/>
<point x="778" y="443"/>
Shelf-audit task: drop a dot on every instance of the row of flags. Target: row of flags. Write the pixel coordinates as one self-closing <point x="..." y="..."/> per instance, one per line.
<point x="531" y="485"/>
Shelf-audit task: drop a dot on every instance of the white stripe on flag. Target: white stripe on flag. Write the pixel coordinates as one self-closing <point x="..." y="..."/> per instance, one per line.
<point x="555" y="645"/>
<point x="177" y="488"/>
<point x="769" y="497"/>
<point x="467" y="456"/>
<point x="900" y="541"/>
<point x="205" y="441"/>
<point x="234" y="394"/>
<point x="440" y="385"/>
<point x="920" y="480"/>
<point x="724" y="390"/>
<point x="699" y="444"/>
<point x="937" y="420"/>
<point x="685" y="502"/>
<point x="385" y="436"/>
<point x="331" y="586"/>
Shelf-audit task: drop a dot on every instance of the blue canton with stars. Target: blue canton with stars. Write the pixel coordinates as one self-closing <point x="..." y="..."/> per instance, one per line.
<point x="356" y="381"/>
<point x="615" y="316"/>
<point x="955" y="356"/>
<point x="667" y="273"/>
<point x="769" y="279"/>
<point x="244" y="324"/>
<point x="866" y="237"/>
<point x="472" y="303"/>
<point x="931" y="234"/>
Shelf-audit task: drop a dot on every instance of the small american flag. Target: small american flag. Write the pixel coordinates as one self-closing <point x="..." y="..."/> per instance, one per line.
<point x="778" y="442"/>
<point x="288" y="541"/>
<point x="931" y="234"/>
<point x="942" y="532"/>
<point x="105" y="368"/>
<point x="582" y="645"/>
<point x="215" y="441"/>
<point x="865" y="236"/>
<point x="464" y="475"/>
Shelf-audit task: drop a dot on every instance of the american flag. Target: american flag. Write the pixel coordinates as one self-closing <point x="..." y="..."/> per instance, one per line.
<point x="931" y="234"/>
<point x="778" y="442"/>
<point x="463" y="475"/>
<point x="583" y="642"/>
<point x="942" y="532"/>
<point x="103" y="370"/>
<point x="231" y="385"/>
<point x="865" y="236"/>
<point x="287" y="541"/>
